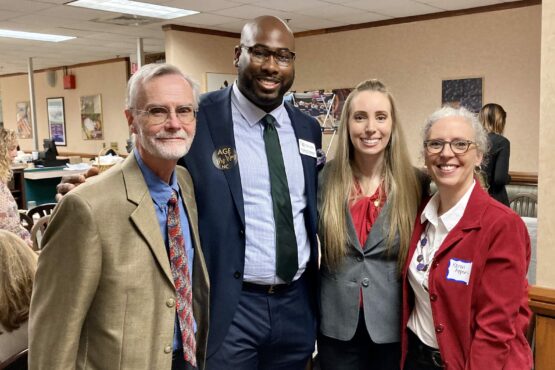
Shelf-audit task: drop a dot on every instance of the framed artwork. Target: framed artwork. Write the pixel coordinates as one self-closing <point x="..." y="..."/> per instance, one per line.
<point x="23" y="119"/>
<point x="217" y="81"/>
<point x="91" y="117"/>
<point x="56" y="120"/>
<point x="466" y="92"/>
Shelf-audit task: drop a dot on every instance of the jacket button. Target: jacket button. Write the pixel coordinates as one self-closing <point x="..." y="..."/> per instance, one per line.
<point x="439" y="328"/>
<point x="365" y="282"/>
<point x="435" y="265"/>
<point x="242" y="232"/>
<point x="433" y="297"/>
<point x="237" y="275"/>
<point x="167" y="349"/>
<point x="170" y="302"/>
<point x="359" y="258"/>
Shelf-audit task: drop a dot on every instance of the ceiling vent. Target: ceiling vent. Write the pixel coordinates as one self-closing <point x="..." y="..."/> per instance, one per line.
<point x="127" y="20"/>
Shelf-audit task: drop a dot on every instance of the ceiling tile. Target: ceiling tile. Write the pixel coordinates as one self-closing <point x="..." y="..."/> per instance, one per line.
<point x="291" y="5"/>
<point x="202" y="5"/>
<point x="459" y="4"/>
<point x="394" y="8"/>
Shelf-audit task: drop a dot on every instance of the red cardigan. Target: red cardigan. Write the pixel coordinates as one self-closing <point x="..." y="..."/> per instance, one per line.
<point x="482" y="325"/>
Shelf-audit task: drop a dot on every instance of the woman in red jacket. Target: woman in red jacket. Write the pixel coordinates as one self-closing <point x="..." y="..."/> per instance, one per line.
<point x="465" y="291"/>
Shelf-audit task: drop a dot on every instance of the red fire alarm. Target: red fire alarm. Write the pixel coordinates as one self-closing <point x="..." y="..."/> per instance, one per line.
<point x="69" y="82"/>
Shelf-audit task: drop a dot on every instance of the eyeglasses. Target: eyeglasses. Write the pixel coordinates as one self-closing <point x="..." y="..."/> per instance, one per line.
<point x="458" y="146"/>
<point x="260" y="54"/>
<point x="159" y="115"/>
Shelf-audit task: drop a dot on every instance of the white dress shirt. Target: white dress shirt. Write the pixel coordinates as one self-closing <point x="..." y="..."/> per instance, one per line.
<point x="260" y="245"/>
<point x="421" y="321"/>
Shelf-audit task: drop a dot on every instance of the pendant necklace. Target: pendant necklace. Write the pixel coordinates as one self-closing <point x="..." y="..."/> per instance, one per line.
<point x="423" y="264"/>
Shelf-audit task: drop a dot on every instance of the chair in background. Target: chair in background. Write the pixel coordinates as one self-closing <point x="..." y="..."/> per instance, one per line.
<point x="16" y="362"/>
<point x="26" y="221"/>
<point x="525" y="204"/>
<point x="42" y="210"/>
<point x="38" y="231"/>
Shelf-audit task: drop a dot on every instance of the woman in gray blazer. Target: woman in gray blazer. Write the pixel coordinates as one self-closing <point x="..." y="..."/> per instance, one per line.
<point x="368" y="200"/>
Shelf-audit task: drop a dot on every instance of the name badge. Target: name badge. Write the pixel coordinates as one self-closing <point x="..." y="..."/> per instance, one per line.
<point x="307" y="148"/>
<point x="459" y="270"/>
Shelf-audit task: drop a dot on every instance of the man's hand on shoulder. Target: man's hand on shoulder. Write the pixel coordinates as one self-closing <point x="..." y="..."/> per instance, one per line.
<point x="70" y="182"/>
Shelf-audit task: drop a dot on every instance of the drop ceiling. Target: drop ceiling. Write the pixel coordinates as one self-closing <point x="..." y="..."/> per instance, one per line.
<point x="98" y="38"/>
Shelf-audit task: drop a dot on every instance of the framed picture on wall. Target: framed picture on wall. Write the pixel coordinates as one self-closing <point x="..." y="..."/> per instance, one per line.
<point x="91" y="117"/>
<point x="23" y="119"/>
<point x="465" y="92"/>
<point x="56" y="120"/>
<point x="217" y="81"/>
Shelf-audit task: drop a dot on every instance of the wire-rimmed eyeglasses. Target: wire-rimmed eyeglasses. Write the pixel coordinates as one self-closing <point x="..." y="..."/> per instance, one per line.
<point x="159" y="115"/>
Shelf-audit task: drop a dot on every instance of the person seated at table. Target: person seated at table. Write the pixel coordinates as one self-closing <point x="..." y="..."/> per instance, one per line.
<point x="9" y="215"/>
<point x="17" y="271"/>
<point x="465" y="293"/>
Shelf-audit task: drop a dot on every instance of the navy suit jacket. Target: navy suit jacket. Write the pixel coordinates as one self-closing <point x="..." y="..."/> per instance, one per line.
<point x="220" y="206"/>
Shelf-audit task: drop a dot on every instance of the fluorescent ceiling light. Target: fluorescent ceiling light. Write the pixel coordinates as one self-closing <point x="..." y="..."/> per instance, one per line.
<point x="133" y="7"/>
<point x="34" y="36"/>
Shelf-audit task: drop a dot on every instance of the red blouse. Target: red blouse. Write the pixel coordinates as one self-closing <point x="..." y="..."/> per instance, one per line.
<point x="365" y="210"/>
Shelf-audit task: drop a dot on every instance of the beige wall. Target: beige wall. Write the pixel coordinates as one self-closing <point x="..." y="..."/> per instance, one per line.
<point x="197" y="54"/>
<point x="109" y="80"/>
<point x="546" y="209"/>
<point x="503" y="47"/>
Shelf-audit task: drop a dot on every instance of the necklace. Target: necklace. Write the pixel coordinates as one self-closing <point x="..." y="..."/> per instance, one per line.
<point x="422" y="263"/>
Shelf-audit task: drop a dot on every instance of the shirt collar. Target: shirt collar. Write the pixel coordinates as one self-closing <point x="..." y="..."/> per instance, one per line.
<point x="449" y="218"/>
<point x="160" y="191"/>
<point x="250" y="112"/>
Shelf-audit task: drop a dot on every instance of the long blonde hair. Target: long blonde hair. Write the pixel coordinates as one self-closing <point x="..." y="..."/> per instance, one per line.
<point x="402" y="187"/>
<point x="7" y="140"/>
<point x="18" y="264"/>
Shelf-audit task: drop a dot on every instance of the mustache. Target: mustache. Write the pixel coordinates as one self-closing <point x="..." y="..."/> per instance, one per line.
<point x="171" y="135"/>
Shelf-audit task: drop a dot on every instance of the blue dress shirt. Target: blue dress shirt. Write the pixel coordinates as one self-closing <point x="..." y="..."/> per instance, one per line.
<point x="161" y="192"/>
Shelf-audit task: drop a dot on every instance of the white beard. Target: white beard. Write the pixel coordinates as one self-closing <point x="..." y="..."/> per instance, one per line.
<point x="164" y="150"/>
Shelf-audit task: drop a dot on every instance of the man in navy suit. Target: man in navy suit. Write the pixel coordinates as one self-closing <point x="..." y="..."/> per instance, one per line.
<point x="259" y="320"/>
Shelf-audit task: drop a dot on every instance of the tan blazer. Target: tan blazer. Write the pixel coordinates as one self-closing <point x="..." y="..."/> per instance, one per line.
<point x="104" y="296"/>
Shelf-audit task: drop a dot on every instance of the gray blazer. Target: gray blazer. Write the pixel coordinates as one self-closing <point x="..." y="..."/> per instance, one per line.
<point x="374" y="272"/>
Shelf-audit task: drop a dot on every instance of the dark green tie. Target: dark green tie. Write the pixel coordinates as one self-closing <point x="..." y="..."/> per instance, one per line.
<point x="286" y="243"/>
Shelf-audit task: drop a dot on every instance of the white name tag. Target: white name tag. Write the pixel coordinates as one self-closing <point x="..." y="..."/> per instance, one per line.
<point x="459" y="271"/>
<point x="307" y="148"/>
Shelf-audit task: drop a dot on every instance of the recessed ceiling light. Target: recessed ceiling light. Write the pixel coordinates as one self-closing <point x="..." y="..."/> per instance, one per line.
<point x="34" y="36"/>
<point x="133" y="7"/>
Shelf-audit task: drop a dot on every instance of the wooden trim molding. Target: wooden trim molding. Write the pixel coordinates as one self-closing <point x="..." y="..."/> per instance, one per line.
<point x="106" y="61"/>
<point x="524" y="178"/>
<point x="542" y="301"/>
<point x="423" y="17"/>
<point x="205" y="31"/>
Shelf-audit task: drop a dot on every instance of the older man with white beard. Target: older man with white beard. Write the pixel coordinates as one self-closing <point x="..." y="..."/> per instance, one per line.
<point x="122" y="282"/>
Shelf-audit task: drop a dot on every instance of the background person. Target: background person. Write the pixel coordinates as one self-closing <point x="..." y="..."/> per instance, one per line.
<point x="9" y="215"/>
<point x="369" y="195"/>
<point x="496" y="167"/>
<point x="130" y="248"/>
<point x="465" y="293"/>
<point x="263" y="300"/>
<point x="18" y="264"/>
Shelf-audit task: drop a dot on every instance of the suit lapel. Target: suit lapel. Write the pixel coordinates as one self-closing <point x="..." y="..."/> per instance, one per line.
<point x="301" y="126"/>
<point x="471" y="219"/>
<point x="379" y="229"/>
<point x="220" y="124"/>
<point x="144" y="216"/>
<point x="377" y="232"/>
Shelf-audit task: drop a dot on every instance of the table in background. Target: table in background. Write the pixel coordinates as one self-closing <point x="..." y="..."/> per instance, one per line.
<point x="40" y="183"/>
